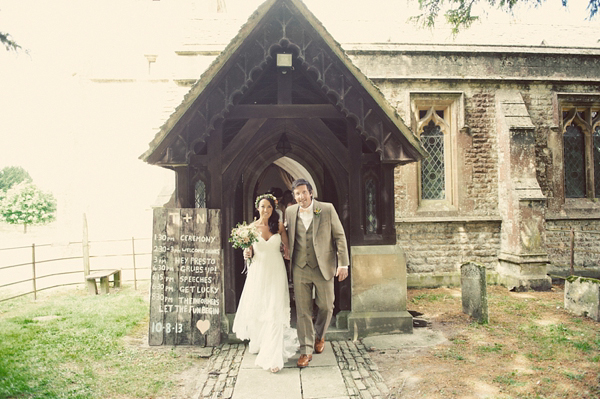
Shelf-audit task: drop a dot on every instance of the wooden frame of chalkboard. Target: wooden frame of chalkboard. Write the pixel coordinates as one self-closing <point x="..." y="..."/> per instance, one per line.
<point x="186" y="294"/>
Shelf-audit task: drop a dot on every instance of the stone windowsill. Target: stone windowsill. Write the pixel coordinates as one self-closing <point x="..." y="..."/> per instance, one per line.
<point x="450" y="219"/>
<point x="576" y="208"/>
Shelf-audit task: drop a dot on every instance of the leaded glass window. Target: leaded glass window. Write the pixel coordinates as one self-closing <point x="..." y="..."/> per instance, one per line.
<point x="200" y="194"/>
<point x="433" y="180"/>
<point x="371" y="206"/>
<point x="596" y="144"/>
<point x="574" y="162"/>
<point x="581" y="148"/>
<point x="438" y="118"/>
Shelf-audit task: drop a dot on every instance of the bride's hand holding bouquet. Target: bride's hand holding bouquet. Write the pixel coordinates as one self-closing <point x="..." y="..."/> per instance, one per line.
<point x="243" y="236"/>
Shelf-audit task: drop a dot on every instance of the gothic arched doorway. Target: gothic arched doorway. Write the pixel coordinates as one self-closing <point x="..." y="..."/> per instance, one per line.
<point x="259" y="164"/>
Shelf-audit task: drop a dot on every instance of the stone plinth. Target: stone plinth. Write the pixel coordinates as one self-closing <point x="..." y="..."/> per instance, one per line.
<point x="378" y="291"/>
<point x="524" y="273"/>
<point x="473" y="285"/>
<point x="582" y="297"/>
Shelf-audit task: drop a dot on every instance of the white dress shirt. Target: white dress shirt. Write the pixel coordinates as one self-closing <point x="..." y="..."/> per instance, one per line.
<point x="306" y="216"/>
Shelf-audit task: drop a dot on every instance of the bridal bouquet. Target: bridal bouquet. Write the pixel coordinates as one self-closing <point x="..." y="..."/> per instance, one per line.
<point x="243" y="236"/>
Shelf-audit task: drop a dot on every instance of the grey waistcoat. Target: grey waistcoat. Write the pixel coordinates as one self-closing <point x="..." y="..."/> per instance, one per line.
<point x="304" y="250"/>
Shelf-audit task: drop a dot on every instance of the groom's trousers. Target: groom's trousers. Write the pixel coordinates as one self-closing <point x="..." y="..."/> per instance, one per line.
<point x="304" y="280"/>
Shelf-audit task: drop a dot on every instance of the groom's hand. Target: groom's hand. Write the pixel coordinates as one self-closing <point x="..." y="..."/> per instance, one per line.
<point x="341" y="273"/>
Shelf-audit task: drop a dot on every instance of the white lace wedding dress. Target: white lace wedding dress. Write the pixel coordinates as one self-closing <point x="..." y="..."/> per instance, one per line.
<point x="263" y="315"/>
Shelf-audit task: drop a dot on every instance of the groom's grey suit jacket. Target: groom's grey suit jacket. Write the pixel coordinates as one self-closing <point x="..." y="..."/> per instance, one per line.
<point x="328" y="236"/>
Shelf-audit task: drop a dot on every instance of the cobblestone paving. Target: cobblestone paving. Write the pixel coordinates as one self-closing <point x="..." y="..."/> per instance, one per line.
<point x="222" y="371"/>
<point x="360" y="374"/>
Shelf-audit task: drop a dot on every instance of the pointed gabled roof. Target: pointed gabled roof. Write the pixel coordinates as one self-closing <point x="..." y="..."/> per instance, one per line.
<point x="283" y="25"/>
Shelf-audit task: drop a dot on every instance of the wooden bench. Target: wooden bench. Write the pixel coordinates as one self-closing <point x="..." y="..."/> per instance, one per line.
<point x="103" y="275"/>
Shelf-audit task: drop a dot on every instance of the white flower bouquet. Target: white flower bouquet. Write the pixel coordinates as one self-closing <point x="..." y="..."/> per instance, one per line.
<point x="243" y="236"/>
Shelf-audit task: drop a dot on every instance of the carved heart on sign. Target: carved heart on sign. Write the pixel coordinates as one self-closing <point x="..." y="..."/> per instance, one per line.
<point x="203" y="325"/>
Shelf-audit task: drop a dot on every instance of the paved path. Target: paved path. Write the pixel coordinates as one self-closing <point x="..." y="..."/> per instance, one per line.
<point x="343" y="371"/>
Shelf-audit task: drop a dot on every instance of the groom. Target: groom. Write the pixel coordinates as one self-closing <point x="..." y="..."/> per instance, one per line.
<point x="316" y="236"/>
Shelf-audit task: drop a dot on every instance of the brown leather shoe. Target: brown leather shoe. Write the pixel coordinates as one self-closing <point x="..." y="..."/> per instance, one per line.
<point x="319" y="345"/>
<point x="304" y="360"/>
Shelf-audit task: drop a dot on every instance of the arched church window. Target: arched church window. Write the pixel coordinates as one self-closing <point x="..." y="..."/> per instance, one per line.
<point x="438" y="118"/>
<point x="200" y="194"/>
<point x="574" y="161"/>
<point x="581" y="148"/>
<point x="433" y="182"/>
<point x="371" y="206"/>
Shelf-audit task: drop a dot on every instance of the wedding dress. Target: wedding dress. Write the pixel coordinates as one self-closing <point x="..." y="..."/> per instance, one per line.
<point x="263" y="315"/>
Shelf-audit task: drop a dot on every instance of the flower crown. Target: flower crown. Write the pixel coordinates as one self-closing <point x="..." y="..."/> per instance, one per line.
<point x="262" y="197"/>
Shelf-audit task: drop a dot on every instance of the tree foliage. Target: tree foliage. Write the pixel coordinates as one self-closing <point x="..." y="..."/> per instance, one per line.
<point x="26" y="204"/>
<point x="8" y="42"/>
<point x="11" y="175"/>
<point x="459" y="13"/>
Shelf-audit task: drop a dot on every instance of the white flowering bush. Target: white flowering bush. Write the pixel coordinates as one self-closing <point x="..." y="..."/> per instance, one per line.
<point x="26" y="204"/>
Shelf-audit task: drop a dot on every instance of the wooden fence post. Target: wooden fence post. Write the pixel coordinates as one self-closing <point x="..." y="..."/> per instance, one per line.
<point x="134" y="271"/>
<point x="91" y="285"/>
<point x="33" y="266"/>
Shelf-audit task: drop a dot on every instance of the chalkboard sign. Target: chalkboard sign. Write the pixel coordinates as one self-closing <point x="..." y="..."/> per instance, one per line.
<point x="186" y="295"/>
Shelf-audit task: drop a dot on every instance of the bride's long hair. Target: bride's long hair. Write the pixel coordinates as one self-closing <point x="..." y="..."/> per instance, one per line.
<point x="274" y="218"/>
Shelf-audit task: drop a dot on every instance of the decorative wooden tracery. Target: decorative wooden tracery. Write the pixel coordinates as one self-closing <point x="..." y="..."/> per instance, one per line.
<point x="284" y="29"/>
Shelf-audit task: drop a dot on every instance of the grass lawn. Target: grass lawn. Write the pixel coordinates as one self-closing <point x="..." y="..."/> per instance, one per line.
<point x="69" y="344"/>
<point x="532" y="348"/>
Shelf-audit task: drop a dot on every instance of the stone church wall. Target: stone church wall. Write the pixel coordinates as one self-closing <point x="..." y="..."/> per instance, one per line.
<point x="586" y="247"/>
<point x="438" y="241"/>
<point x="541" y="101"/>
<point x="476" y="163"/>
<point x="562" y="214"/>
<point x="435" y="250"/>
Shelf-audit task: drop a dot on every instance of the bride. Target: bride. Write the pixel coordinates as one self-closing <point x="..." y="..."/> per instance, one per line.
<point x="263" y="315"/>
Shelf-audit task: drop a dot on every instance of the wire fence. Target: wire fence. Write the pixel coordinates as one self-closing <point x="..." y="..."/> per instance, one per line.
<point x="572" y="249"/>
<point x="30" y="269"/>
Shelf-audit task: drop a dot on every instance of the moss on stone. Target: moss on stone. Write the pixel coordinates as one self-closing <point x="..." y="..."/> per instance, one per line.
<point x="571" y="279"/>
